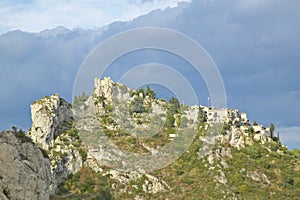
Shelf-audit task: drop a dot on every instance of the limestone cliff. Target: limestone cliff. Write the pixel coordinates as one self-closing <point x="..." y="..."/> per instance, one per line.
<point x="51" y="130"/>
<point x="24" y="171"/>
<point x="50" y="116"/>
<point x="78" y="141"/>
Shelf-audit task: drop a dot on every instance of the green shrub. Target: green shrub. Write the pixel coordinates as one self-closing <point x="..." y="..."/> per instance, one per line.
<point x="150" y="93"/>
<point x="6" y="192"/>
<point x="83" y="154"/>
<point x="100" y="100"/>
<point x="104" y="195"/>
<point x="73" y="134"/>
<point x="76" y="143"/>
<point x="201" y="117"/>
<point x="108" y="108"/>
<point x="179" y="172"/>
<point x="20" y="134"/>
<point x="137" y="105"/>
<point x="273" y="146"/>
<point x="79" y="100"/>
<point x="253" y="152"/>
<point x="226" y="127"/>
<point x="169" y="123"/>
<point x="66" y="141"/>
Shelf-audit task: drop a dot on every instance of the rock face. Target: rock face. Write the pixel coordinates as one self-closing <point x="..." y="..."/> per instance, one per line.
<point x="24" y="172"/>
<point x="150" y="184"/>
<point x="154" y="185"/>
<point x="65" y="158"/>
<point x="51" y="124"/>
<point x="78" y="136"/>
<point x="50" y="115"/>
<point x="111" y="90"/>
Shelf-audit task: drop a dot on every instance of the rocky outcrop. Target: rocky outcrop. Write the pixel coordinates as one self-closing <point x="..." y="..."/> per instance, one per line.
<point x="259" y="177"/>
<point x="51" y="130"/>
<point x="51" y="116"/>
<point x="65" y="157"/>
<point x="110" y="90"/>
<point x="150" y="184"/>
<point x="80" y="136"/>
<point x="24" y="172"/>
<point x="154" y="185"/>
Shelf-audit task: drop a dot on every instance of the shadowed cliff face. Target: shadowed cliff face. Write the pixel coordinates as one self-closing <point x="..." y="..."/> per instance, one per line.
<point x="24" y="172"/>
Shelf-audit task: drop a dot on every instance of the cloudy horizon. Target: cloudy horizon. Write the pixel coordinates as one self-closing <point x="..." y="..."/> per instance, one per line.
<point x="37" y="16"/>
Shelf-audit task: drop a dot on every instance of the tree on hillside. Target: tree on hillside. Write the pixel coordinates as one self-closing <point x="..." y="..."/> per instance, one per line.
<point x="169" y="120"/>
<point x="174" y="108"/>
<point x="174" y="105"/>
<point x="137" y="105"/>
<point x="79" y="100"/>
<point x="150" y="93"/>
<point x="272" y="128"/>
<point x="201" y="116"/>
<point x="141" y="91"/>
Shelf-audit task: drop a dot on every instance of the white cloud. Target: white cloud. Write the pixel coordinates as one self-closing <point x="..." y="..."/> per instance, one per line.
<point x="38" y="15"/>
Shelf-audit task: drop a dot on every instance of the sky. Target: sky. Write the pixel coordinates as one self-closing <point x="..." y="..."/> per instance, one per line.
<point x="255" y="45"/>
<point x="35" y="16"/>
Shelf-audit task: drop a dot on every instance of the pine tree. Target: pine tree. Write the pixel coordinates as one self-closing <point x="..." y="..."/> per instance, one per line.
<point x="272" y="128"/>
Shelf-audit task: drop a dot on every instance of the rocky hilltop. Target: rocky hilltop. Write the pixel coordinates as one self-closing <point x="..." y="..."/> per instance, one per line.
<point x="117" y="142"/>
